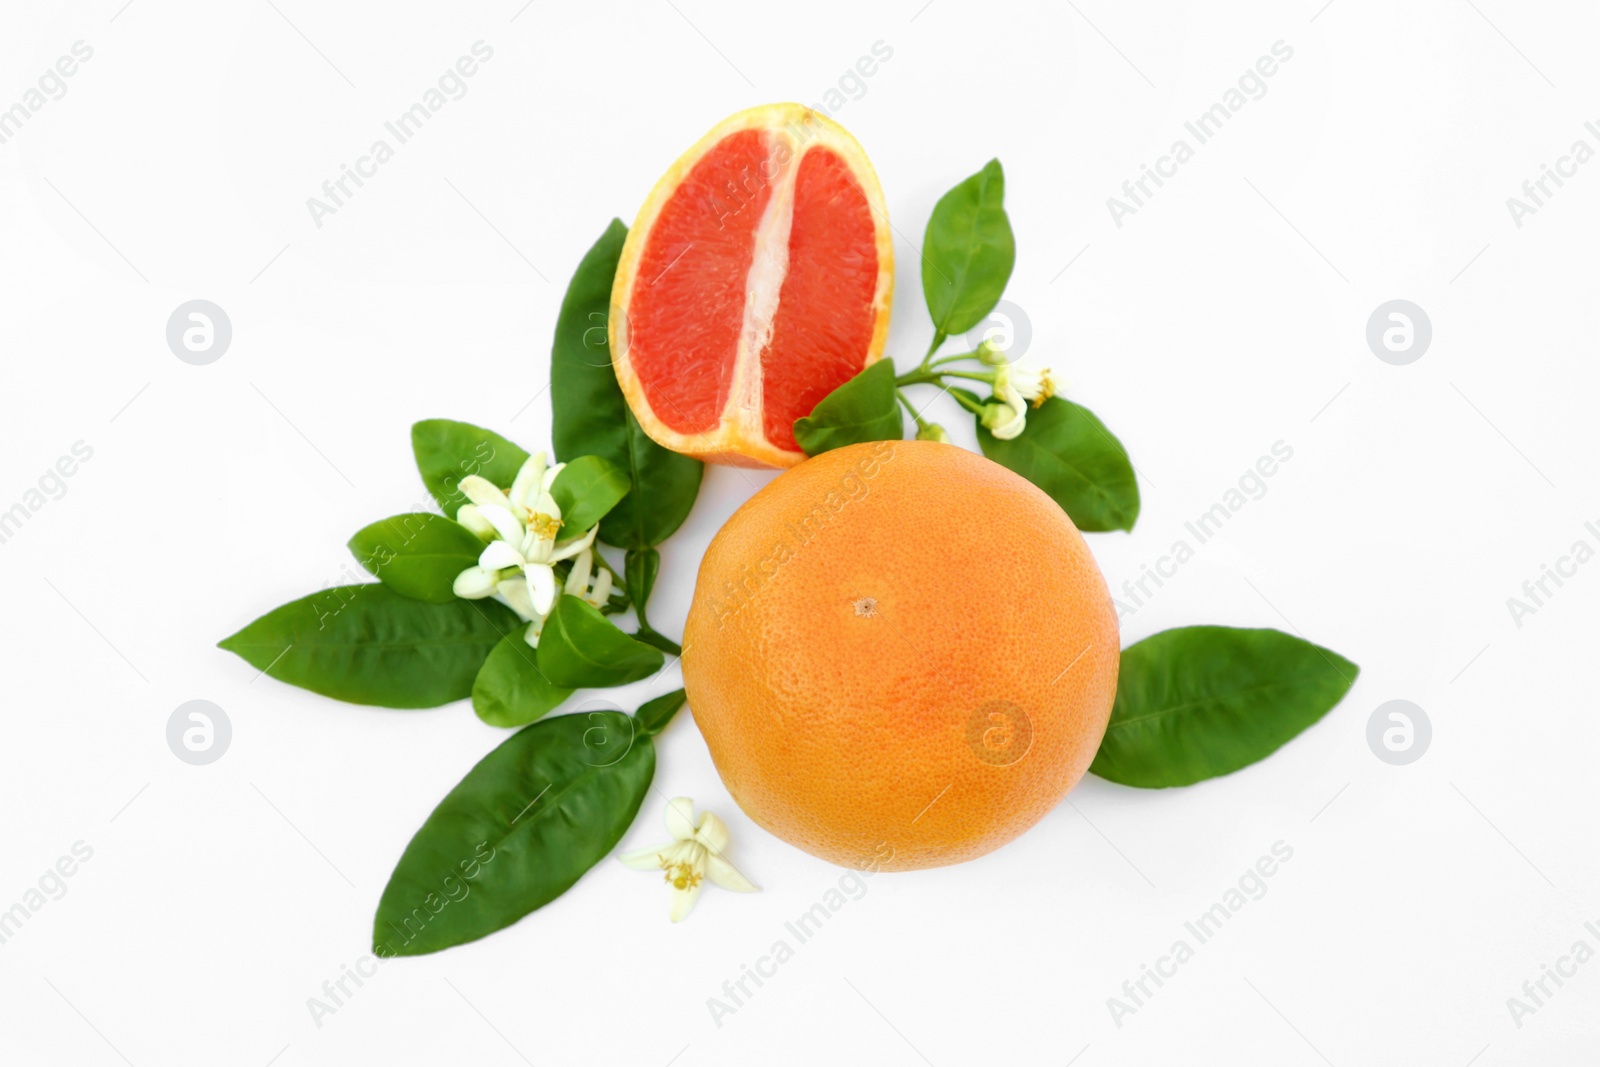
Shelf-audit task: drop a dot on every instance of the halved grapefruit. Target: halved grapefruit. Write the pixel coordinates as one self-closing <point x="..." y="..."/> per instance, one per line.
<point x="756" y="280"/>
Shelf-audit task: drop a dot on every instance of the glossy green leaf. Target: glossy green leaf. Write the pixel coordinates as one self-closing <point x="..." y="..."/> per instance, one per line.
<point x="1203" y="701"/>
<point x="418" y="554"/>
<point x="592" y="418"/>
<point x="509" y="690"/>
<point x="862" y="409"/>
<point x="367" y="644"/>
<point x="968" y="252"/>
<point x="580" y="648"/>
<point x="639" y="569"/>
<point x="654" y="715"/>
<point x="448" y="451"/>
<point x="1068" y="452"/>
<point x="518" y="831"/>
<point x="586" y="489"/>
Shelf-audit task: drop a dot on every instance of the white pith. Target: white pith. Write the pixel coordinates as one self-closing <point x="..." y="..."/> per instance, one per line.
<point x="769" y="266"/>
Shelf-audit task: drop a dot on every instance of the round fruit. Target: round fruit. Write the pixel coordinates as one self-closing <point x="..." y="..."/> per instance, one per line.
<point x="755" y="281"/>
<point x="901" y="655"/>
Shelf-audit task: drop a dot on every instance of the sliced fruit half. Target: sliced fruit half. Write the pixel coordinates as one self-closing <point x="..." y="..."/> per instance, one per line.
<point x="756" y="279"/>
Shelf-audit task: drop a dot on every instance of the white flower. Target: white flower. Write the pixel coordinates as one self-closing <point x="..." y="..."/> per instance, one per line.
<point x="519" y="561"/>
<point x="693" y="854"/>
<point x="1032" y="381"/>
<point x="1023" y="380"/>
<point x="1015" y="384"/>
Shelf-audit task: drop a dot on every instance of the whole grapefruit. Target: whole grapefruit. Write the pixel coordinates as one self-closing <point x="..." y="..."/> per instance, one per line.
<point x="901" y="655"/>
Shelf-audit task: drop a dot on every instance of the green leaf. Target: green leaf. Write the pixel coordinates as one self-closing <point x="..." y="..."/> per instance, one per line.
<point x="448" y="451"/>
<point x="581" y="648"/>
<point x="654" y="715"/>
<point x="1203" y="701"/>
<point x="862" y="409"/>
<point x="509" y="690"/>
<point x="592" y="418"/>
<point x="518" y="831"/>
<point x="367" y="644"/>
<point x="639" y="569"/>
<point x="968" y="252"/>
<point x="418" y="554"/>
<point x="586" y="489"/>
<point x="1066" y="451"/>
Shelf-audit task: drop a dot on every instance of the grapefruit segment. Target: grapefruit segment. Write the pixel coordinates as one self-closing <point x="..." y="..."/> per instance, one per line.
<point x="755" y="281"/>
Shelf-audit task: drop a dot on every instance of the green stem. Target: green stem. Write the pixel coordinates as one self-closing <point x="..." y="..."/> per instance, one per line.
<point x="911" y="411"/>
<point x="924" y="377"/>
<point x="957" y="358"/>
<point x="939" y="338"/>
<point x="971" y="405"/>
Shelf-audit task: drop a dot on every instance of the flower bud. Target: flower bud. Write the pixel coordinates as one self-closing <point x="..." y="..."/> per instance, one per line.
<point x="933" y="432"/>
<point x="991" y="354"/>
<point x="1004" y="420"/>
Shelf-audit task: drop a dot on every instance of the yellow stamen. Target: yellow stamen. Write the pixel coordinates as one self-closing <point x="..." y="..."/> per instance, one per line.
<point x="544" y="526"/>
<point x="1047" y="389"/>
<point x="680" y="875"/>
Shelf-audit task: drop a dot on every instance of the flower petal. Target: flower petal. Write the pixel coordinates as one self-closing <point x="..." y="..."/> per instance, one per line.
<point x="546" y="503"/>
<point x="474" y="520"/>
<point x="645" y="859"/>
<point x="683" y="901"/>
<point x="475" y="583"/>
<point x="541" y="587"/>
<point x="482" y="492"/>
<point x="712" y="833"/>
<point x="504" y="522"/>
<point x="680" y="818"/>
<point x="602" y="589"/>
<point x="723" y="873"/>
<point x="529" y="477"/>
<point x="498" y="555"/>
<point x="515" y="590"/>
<point x="572" y="548"/>
<point x="550" y="476"/>
<point x="578" y="581"/>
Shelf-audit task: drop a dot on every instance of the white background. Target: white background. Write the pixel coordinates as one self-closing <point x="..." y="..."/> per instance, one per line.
<point x="1229" y="313"/>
